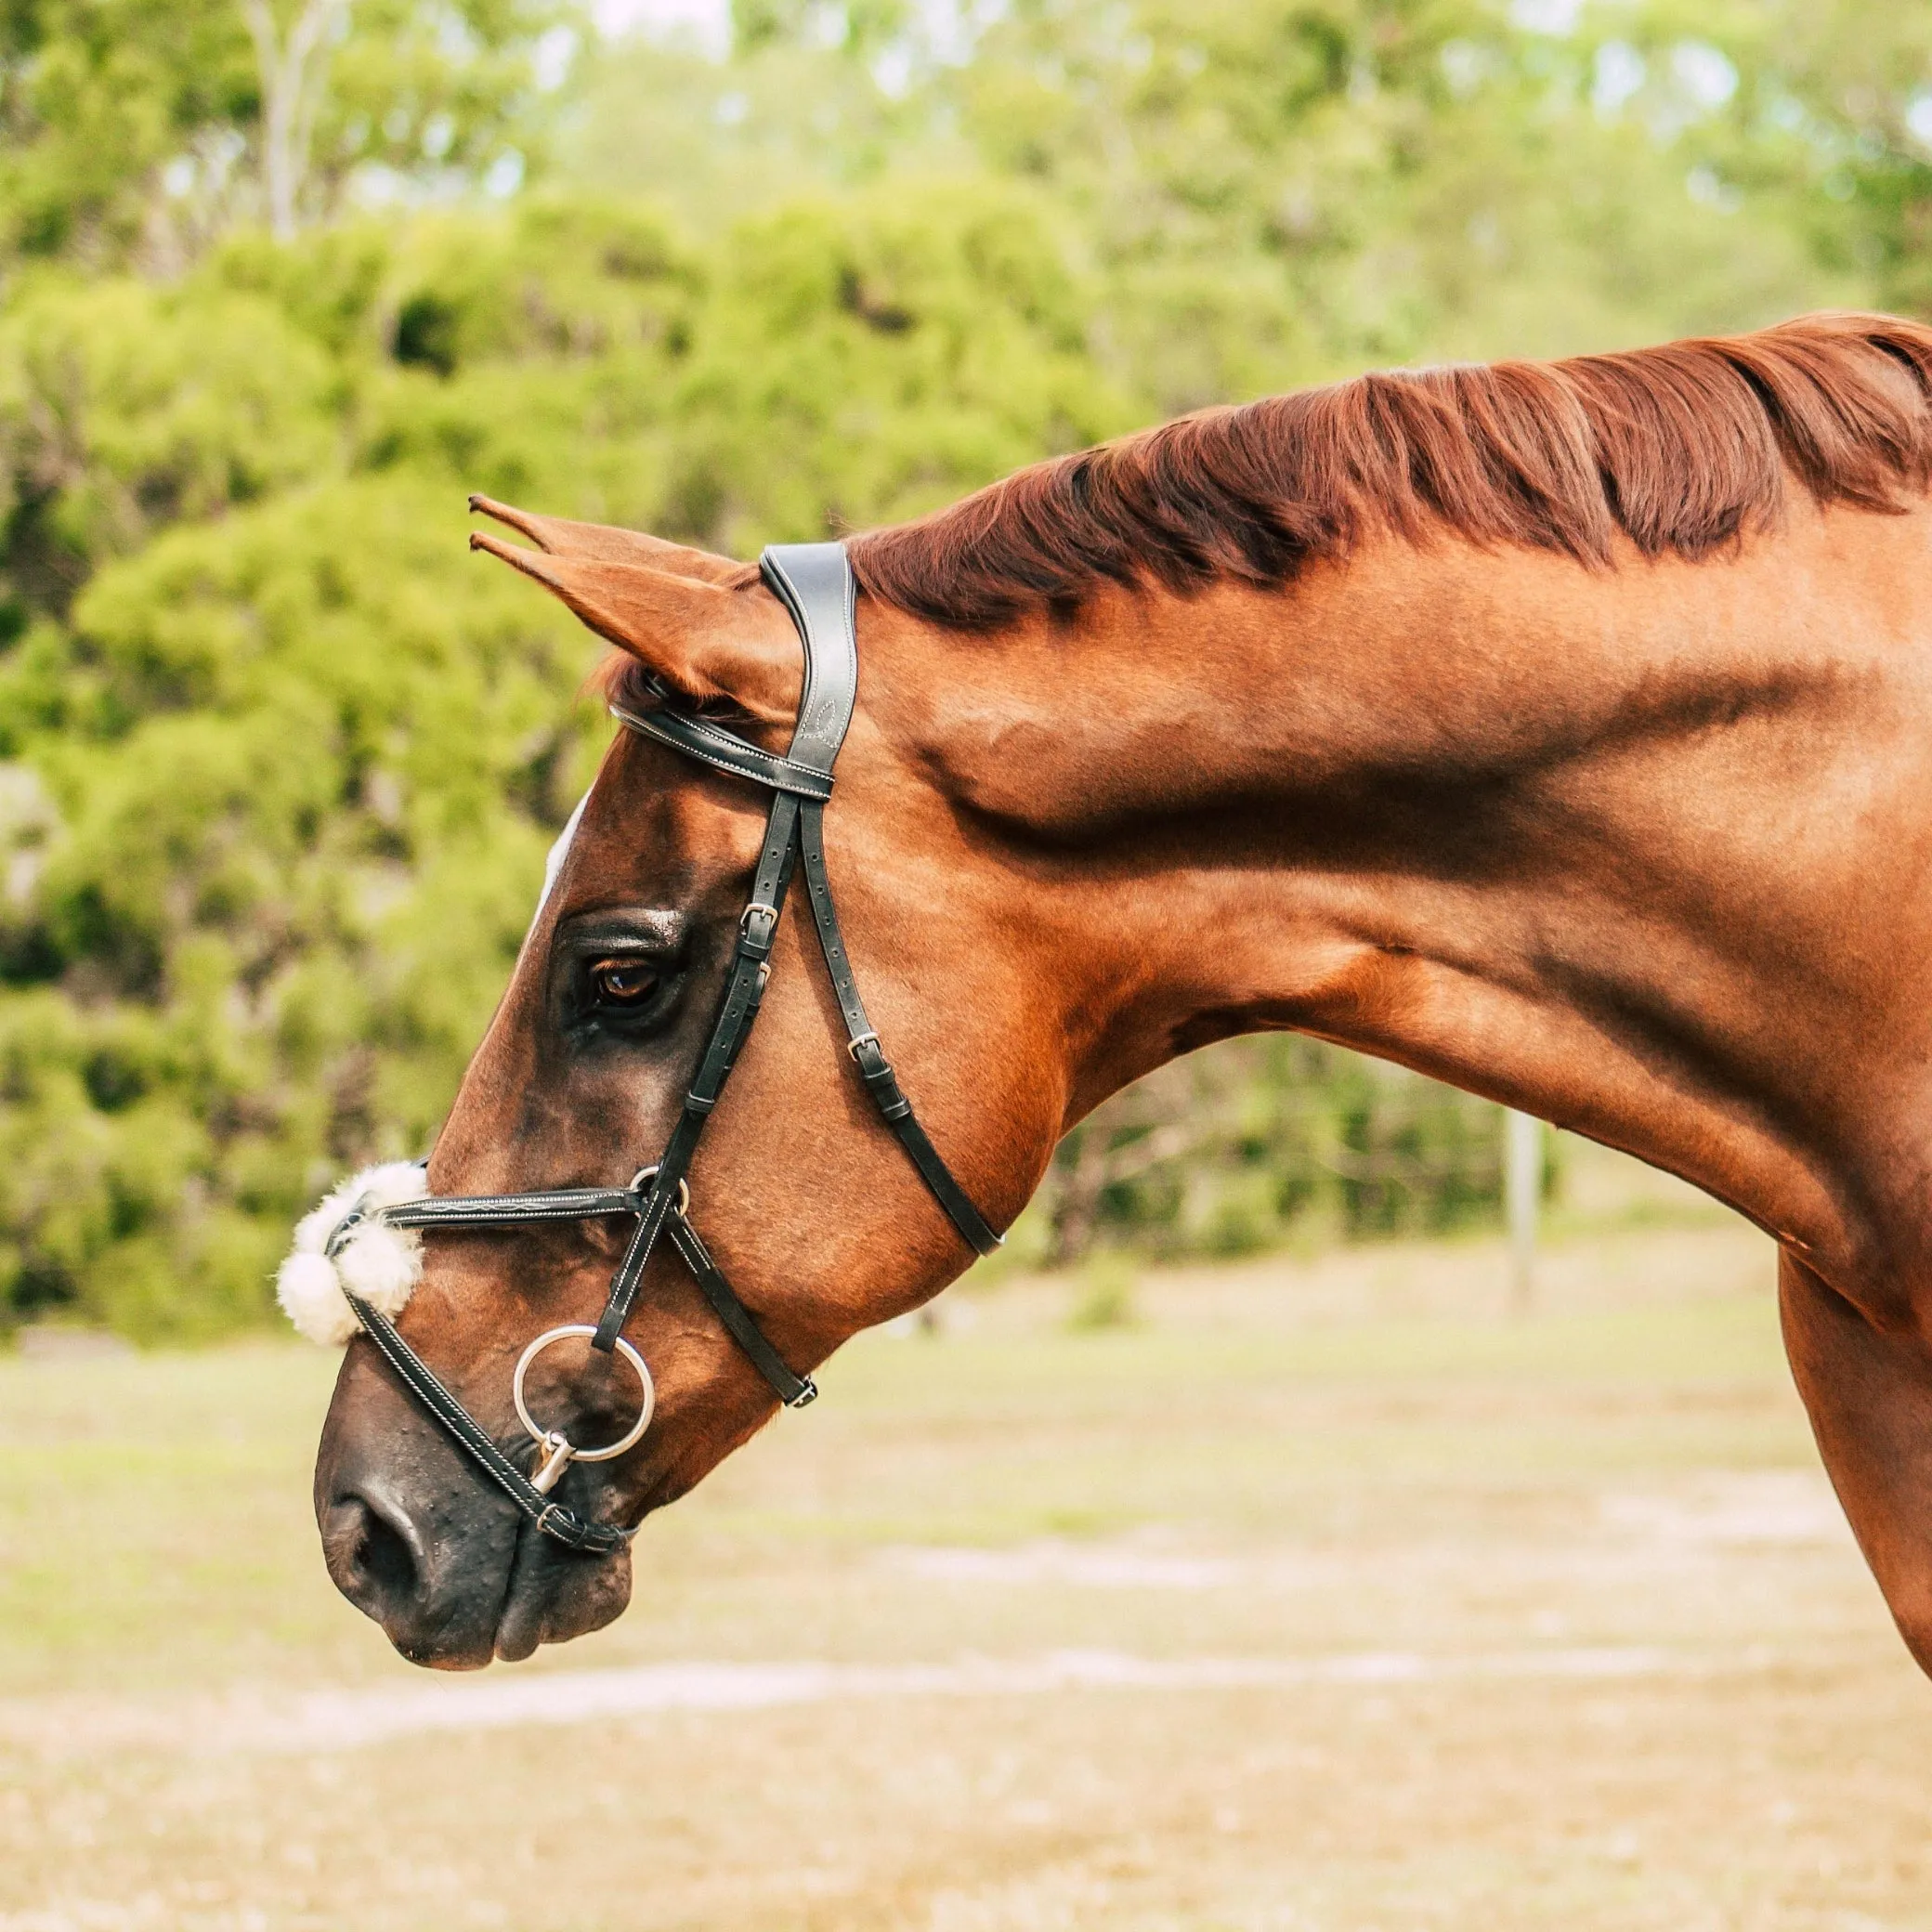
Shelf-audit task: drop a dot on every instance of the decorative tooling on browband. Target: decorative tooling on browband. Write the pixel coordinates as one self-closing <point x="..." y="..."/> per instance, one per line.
<point x="341" y="1243"/>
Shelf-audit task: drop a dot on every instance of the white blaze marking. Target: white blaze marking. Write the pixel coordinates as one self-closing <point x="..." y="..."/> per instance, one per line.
<point x="559" y="852"/>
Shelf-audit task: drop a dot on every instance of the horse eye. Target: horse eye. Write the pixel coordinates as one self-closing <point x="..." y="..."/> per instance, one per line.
<point x="622" y="983"/>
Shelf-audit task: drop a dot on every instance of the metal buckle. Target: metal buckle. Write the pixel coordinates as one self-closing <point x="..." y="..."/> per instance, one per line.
<point x="763" y="939"/>
<point x="650" y="1173"/>
<point x="587" y="1531"/>
<point x="806" y="1396"/>
<point x="868" y="1038"/>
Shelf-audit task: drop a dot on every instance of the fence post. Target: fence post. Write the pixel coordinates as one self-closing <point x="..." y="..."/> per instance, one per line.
<point x="1522" y="1193"/>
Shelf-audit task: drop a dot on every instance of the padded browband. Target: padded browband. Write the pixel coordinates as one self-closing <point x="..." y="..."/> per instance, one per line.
<point x="814" y="582"/>
<point x="698" y="739"/>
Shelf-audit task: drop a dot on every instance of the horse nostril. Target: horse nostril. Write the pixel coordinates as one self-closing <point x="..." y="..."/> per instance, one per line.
<point x="373" y="1555"/>
<point x="383" y="1558"/>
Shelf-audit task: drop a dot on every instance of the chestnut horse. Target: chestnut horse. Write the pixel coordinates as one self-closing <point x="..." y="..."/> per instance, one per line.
<point x="1562" y="730"/>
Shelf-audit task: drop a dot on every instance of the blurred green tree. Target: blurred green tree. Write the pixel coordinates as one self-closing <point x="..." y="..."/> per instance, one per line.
<point x="137" y="130"/>
<point x="282" y="759"/>
<point x="277" y="762"/>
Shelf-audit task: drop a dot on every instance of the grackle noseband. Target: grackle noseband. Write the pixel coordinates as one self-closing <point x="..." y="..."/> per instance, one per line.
<point x="814" y="582"/>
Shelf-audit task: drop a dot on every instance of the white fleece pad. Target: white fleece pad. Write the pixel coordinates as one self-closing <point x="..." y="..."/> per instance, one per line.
<point x="382" y="1265"/>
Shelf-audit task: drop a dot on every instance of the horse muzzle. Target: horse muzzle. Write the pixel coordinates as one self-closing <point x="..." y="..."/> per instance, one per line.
<point x="455" y="1573"/>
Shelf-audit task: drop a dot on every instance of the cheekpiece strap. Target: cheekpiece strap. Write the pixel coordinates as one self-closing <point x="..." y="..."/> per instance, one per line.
<point x="868" y="1056"/>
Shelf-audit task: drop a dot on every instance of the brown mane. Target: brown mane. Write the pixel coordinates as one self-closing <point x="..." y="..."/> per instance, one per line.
<point x="1681" y="448"/>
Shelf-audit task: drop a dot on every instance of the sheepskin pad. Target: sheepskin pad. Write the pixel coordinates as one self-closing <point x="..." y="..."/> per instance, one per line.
<point x="382" y="1265"/>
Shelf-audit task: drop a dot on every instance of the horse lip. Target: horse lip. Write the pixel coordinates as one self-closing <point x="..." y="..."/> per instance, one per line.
<point x="539" y="1604"/>
<point x="514" y="1621"/>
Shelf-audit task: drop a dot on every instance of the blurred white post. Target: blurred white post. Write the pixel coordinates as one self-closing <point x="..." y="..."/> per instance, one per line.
<point x="1522" y="1195"/>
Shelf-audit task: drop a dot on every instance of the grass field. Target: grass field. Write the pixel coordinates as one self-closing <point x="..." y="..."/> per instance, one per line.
<point x="1325" y="1595"/>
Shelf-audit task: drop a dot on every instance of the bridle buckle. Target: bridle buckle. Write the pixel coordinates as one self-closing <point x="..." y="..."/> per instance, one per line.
<point x="756" y="925"/>
<point x="640" y="1182"/>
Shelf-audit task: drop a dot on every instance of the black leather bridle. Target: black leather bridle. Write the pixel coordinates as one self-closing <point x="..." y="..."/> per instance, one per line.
<point x="814" y="582"/>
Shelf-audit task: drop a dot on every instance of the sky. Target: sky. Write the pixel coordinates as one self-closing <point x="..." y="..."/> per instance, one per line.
<point x="706" y="22"/>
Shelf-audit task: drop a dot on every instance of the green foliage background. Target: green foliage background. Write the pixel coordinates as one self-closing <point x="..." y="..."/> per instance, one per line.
<point x="279" y="763"/>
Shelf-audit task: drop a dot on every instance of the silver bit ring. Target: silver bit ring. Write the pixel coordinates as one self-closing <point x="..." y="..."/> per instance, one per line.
<point x="550" y="1438"/>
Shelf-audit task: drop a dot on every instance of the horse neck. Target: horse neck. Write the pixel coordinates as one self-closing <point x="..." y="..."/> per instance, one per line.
<point x="1559" y="836"/>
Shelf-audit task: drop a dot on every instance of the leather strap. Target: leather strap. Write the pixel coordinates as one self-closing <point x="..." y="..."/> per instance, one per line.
<point x="738" y="1007"/>
<point x="555" y="1519"/>
<point x="698" y="738"/>
<point x="862" y="1044"/>
<point x="493" y="1210"/>
<point x="794" y="1392"/>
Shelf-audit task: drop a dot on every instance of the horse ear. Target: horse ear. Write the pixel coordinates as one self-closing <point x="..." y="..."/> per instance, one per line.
<point x="605" y="543"/>
<point x="705" y="642"/>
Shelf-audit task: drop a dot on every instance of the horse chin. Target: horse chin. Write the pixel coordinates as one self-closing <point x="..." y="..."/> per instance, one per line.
<point x="555" y="1594"/>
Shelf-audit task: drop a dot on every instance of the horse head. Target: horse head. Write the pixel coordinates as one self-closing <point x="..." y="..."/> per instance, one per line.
<point x="797" y="1185"/>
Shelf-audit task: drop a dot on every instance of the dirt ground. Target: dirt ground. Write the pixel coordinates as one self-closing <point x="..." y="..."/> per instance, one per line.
<point x="1325" y="1596"/>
